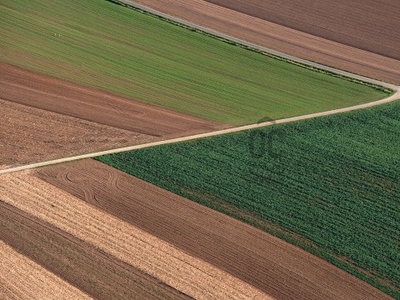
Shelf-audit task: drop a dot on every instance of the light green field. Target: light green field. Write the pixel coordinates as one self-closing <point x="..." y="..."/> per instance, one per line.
<point x="102" y="44"/>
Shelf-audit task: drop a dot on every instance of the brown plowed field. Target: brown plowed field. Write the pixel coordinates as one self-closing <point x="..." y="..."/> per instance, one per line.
<point x="358" y="25"/>
<point x="47" y="216"/>
<point x="365" y="24"/>
<point x="267" y="263"/>
<point x="44" y="118"/>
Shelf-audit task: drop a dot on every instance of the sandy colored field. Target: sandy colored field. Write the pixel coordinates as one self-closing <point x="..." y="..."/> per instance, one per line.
<point x="273" y="266"/>
<point x="92" y="271"/>
<point x="296" y="42"/>
<point x="21" y="278"/>
<point x="125" y="242"/>
<point x="65" y="119"/>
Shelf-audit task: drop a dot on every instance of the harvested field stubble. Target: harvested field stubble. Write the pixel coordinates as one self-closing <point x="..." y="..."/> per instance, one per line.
<point x="32" y="135"/>
<point x="275" y="267"/>
<point x="127" y="243"/>
<point x="90" y="270"/>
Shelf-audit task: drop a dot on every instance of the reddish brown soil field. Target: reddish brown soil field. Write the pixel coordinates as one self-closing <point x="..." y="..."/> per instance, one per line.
<point x="44" y="118"/>
<point x="367" y="24"/>
<point x="364" y="25"/>
<point x="269" y="264"/>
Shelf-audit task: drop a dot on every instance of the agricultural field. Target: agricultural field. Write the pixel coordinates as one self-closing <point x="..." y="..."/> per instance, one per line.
<point x="330" y="185"/>
<point x="370" y="25"/>
<point x="304" y="210"/>
<point x="113" y="236"/>
<point x="100" y="254"/>
<point x="16" y="268"/>
<point x="142" y="57"/>
<point x="43" y="118"/>
<point x="379" y="21"/>
<point x="21" y="143"/>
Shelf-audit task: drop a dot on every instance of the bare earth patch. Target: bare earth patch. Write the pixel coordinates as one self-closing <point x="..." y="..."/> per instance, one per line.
<point x="21" y="278"/>
<point x="263" y="261"/>
<point x="32" y="135"/>
<point x="291" y="40"/>
<point x="370" y="25"/>
<point x="127" y="243"/>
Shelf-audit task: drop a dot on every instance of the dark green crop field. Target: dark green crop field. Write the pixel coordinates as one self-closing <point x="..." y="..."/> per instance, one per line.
<point x="330" y="185"/>
<point x="102" y="44"/>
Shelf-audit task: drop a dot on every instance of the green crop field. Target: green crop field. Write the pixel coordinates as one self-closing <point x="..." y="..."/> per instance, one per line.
<point x="330" y="185"/>
<point x="102" y="44"/>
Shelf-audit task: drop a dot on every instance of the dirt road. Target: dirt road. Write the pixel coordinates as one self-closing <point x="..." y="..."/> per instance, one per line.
<point x="391" y="98"/>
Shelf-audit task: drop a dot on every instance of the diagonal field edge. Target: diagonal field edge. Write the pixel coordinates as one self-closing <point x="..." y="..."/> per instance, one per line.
<point x="391" y="98"/>
<point x="280" y="54"/>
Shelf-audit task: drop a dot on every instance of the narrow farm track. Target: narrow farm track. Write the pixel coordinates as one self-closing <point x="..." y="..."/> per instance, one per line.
<point x="391" y="98"/>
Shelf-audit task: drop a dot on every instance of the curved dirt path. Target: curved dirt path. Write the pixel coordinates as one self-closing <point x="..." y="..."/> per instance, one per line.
<point x="391" y="98"/>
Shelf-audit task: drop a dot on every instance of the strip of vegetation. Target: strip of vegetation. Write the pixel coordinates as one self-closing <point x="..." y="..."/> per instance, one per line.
<point x="377" y="87"/>
<point x="330" y="185"/>
<point x="97" y="43"/>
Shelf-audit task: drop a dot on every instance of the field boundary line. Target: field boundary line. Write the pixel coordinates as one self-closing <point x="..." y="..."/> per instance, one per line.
<point x="395" y="96"/>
